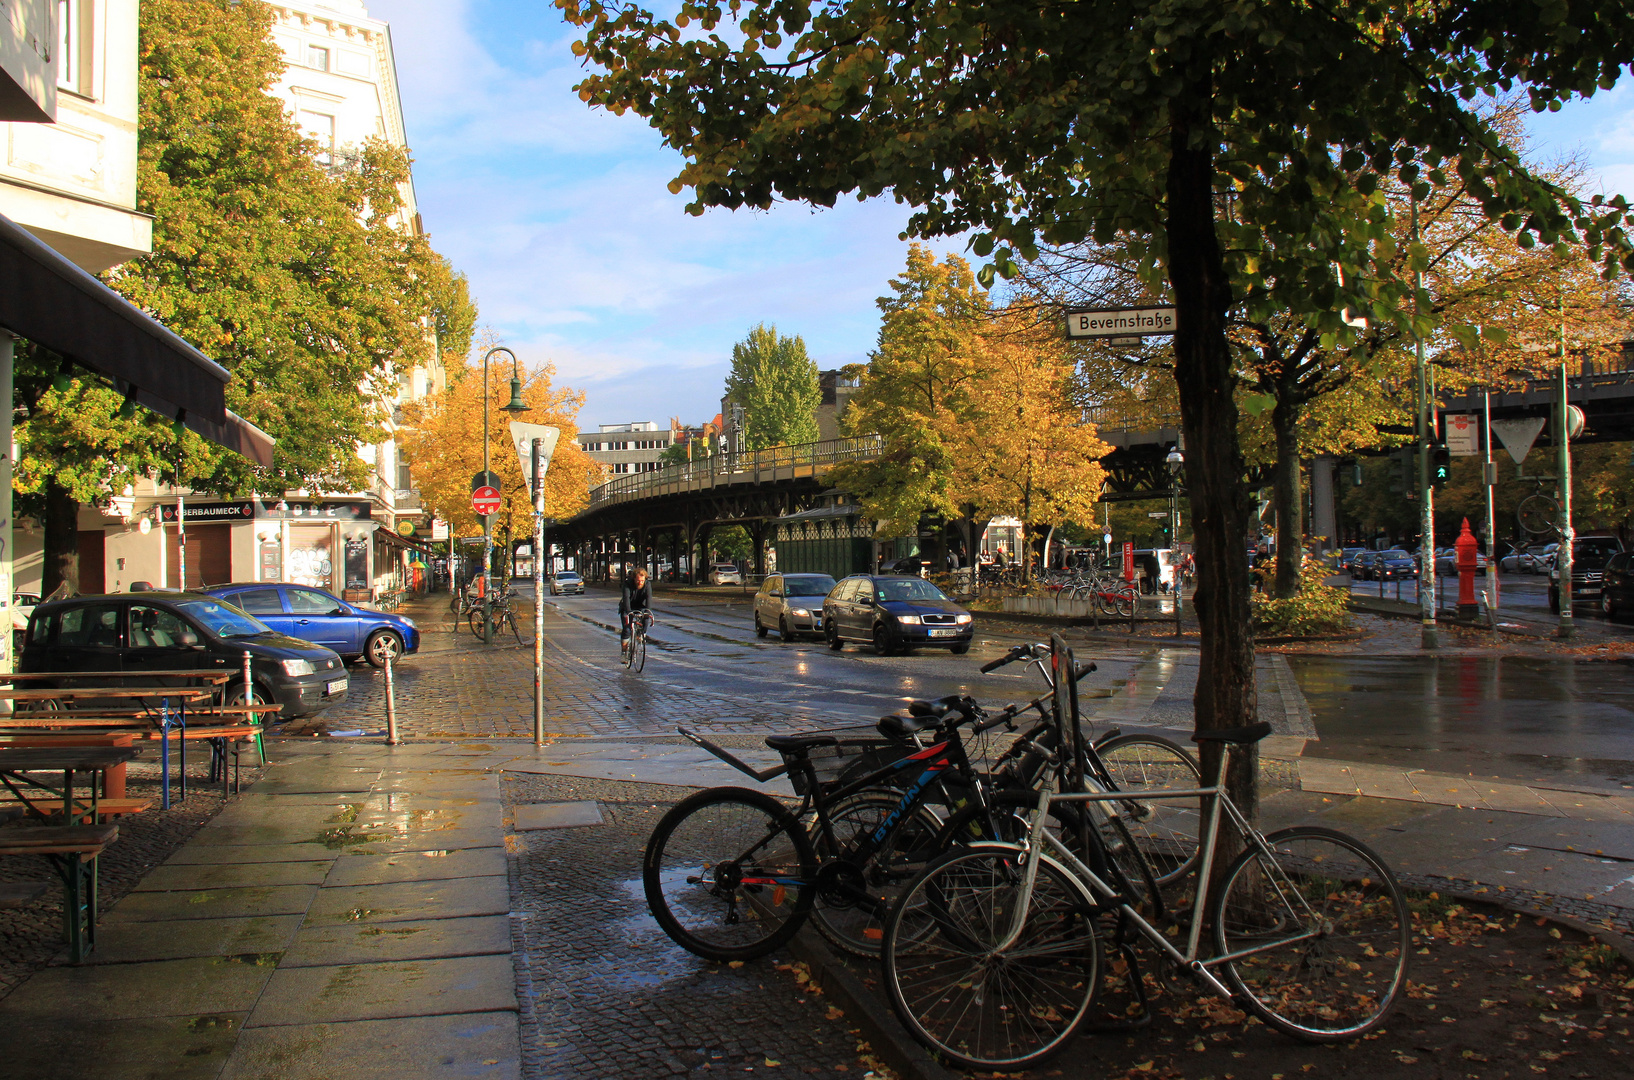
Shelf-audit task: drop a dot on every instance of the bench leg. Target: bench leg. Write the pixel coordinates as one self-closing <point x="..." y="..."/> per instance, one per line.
<point x="79" y="908"/>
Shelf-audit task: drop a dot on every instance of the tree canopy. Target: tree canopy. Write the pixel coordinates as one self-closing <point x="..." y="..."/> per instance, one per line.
<point x="776" y="383"/>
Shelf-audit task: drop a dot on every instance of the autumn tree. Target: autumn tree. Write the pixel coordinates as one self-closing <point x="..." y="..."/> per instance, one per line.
<point x="1236" y="145"/>
<point x="775" y="382"/>
<point x="299" y="278"/>
<point x="915" y="393"/>
<point x="1027" y="452"/>
<point x="442" y="436"/>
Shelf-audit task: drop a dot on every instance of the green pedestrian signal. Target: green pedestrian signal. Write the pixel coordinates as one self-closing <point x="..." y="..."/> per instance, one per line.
<point x="1440" y="467"/>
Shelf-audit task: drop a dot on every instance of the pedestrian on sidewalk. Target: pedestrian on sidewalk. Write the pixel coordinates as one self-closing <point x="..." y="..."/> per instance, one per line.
<point x="634" y="595"/>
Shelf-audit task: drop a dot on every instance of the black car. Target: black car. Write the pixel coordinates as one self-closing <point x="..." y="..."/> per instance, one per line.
<point x="1590" y="554"/>
<point x="148" y="634"/>
<point x="894" y="614"/>
<point x="1617" y="586"/>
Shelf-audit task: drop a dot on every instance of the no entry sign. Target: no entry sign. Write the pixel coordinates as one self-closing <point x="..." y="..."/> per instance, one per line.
<point x="485" y="500"/>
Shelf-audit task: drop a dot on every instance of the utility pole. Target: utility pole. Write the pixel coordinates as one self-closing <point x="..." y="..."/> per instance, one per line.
<point x="1489" y="477"/>
<point x="538" y="491"/>
<point x="1563" y="558"/>
<point x="1428" y="637"/>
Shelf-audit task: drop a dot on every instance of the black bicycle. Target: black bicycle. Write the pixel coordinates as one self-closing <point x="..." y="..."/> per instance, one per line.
<point x="635" y="656"/>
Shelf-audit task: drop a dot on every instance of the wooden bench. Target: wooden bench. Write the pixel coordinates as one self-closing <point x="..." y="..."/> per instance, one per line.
<point x="16" y="894"/>
<point x="73" y="851"/>
<point x="105" y="808"/>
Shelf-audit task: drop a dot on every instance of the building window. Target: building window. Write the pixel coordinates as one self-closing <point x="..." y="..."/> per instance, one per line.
<point x="73" y="46"/>
<point x="320" y="128"/>
<point x="317" y="58"/>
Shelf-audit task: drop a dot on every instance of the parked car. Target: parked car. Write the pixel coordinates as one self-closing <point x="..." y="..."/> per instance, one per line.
<point x="1617" y="586"/>
<point x="913" y="564"/>
<point x="148" y="634"/>
<point x="1446" y="562"/>
<point x="1340" y="560"/>
<point x="566" y="581"/>
<point x="725" y="574"/>
<point x="793" y="603"/>
<point x="1361" y="566"/>
<point x="22" y="606"/>
<point x="317" y="616"/>
<point x="1543" y="557"/>
<point x="1515" y="561"/>
<point x="894" y="614"/>
<point x="1590" y="554"/>
<point x="1392" y="565"/>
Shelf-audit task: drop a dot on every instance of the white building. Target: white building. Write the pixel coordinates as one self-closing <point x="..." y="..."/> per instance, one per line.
<point x="622" y="449"/>
<point x="340" y="88"/>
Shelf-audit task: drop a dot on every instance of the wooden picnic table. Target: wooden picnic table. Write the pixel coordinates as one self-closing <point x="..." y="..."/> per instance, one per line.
<point x="214" y="675"/>
<point x="15" y="761"/>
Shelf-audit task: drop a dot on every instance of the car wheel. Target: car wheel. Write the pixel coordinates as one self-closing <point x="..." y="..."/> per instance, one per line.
<point x="383" y="645"/>
<point x="882" y="640"/>
<point x="760" y="631"/>
<point x="960" y="649"/>
<point x="1608" y="608"/>
<point x="783" y="630"/>
<point x="832" y="633"/>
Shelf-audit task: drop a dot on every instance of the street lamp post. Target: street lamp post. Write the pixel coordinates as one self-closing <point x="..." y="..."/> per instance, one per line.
<point x="1176" y="461"/>
<point x="516" y="405"/>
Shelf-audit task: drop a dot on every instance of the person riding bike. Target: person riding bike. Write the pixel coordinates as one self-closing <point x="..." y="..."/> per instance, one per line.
<point x="636" y="595"/>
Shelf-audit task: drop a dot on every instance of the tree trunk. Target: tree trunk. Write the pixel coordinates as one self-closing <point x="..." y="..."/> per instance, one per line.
<point x="61" y="540"/>
<point x="1214" y="463"/>
<point x="1285" y="496"/>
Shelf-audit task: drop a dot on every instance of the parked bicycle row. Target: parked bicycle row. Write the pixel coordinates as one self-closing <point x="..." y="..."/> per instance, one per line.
<point x="988" y="860"/>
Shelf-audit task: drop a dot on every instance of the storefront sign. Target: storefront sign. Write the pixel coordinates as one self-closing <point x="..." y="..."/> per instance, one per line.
<point x="257" y="509"/>
<point x="243" y="511"/>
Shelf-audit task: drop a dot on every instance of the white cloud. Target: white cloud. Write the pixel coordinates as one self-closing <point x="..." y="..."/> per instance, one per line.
<point x="576" y="251"/>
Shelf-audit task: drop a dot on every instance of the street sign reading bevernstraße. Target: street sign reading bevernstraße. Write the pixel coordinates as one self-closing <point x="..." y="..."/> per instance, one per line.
<point x="1119" y="322"/>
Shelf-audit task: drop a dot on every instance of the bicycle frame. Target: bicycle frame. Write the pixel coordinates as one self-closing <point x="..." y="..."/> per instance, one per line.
<point x="1215" y="800"/>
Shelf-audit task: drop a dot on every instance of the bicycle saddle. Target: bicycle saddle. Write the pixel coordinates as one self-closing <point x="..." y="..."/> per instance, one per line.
<point x="938" y="708"/>
<point x="1248" y="733"/>
<point x="902" y="728"/>
<point x="780" y="743"/>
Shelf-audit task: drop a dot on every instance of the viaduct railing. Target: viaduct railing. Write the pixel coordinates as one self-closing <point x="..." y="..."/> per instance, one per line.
<point x="745" y="467"/>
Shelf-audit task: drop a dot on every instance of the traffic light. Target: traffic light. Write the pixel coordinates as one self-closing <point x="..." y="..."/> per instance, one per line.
<point x="1440" y="467"/>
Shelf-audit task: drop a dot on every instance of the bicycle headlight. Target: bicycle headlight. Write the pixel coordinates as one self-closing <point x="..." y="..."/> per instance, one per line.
<point x="909" y="620"/>
<point x="297" y="667"/>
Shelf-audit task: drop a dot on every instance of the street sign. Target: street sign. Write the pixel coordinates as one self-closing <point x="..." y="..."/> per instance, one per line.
<point x="1518" y="435"/>
<point x="1157" y="513"/>
<point x="522" y="436"/>
<point x="1119" y="322"/>
<point x="1463" y="434"/>
<point x="485" y="500"/>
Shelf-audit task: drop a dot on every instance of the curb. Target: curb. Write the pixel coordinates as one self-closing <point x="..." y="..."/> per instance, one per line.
<point x="878" y="1023"/>
<point x="1619" y="943"/>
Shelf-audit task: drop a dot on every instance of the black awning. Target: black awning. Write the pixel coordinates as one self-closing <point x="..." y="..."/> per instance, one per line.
<point x="47" y="299"/>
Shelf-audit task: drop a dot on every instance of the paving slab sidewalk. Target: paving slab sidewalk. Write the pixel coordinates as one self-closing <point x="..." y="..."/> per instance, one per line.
<point x="347" y="917"/>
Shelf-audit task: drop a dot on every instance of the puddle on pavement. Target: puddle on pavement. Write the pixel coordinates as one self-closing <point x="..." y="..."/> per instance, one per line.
<point x="1486" y="715"/>
<point x="658" y="960"/>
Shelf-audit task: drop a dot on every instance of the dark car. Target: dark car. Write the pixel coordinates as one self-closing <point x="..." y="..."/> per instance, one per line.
<point x="314" y="615"/>
<point x="148" y="634"/>
<point x="913" y="564"/>
<point x="894" y="614"/>
<point x="1392" y="565"/>
<point x="1360" y="565"/>
<point x="1590" y="554"/>
<point x="1617" y="586"/>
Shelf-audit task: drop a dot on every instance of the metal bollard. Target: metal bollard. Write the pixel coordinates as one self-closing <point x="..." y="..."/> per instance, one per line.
<point x="391" y="708"/>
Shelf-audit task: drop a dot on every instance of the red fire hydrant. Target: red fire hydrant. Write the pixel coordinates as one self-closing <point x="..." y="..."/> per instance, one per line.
<point x="1466" y="546"/>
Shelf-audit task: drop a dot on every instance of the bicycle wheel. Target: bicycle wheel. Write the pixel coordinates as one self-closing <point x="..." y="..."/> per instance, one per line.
<point x="962" y="995"/>
<point x="1329" y="928"/>
<point x="474" y="619"/>
<point x="638" y="649"/>
<point x="1166" y="831"/>
<point x="516" y="630"/>
<point x="726" y="874"/>
<point x="856" y="923"/>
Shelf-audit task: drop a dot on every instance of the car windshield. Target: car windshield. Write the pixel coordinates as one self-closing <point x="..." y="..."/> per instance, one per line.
<point x="223" y="620"/>
<point x="911" y="589"/>
<point x="1396" y="553"/>
<point x="1594" y="554"/>
<point x="809" y="586"/>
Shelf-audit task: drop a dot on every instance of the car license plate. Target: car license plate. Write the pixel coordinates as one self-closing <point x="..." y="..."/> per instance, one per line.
<point x="942" y="633"/>
<point x="335" y="686"/>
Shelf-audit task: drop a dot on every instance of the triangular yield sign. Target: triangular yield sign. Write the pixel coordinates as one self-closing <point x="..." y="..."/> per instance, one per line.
<point x="1519" y="435"/>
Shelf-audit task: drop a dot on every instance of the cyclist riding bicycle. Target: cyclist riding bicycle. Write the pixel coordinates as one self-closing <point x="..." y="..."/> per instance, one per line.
<point x="636" y="595"/>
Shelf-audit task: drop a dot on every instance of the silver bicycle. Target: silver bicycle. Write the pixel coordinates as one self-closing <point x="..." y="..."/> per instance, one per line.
<point x="992" y="956"/>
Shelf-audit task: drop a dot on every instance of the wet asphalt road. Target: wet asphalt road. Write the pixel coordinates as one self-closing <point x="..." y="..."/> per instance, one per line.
<point x="1522" y="595"/>
<point x="1541" y="721"/>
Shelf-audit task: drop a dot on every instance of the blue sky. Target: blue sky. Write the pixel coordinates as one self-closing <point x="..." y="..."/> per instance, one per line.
<point x="578" y="254"/>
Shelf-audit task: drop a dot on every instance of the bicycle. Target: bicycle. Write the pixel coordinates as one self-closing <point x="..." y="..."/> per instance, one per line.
<point x="992" y="955"/>
<point x="500" y="616"/>
<point x="635" y="657"/>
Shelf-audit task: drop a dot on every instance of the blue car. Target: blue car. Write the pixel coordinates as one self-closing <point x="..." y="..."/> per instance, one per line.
<point x="314" y="615"/>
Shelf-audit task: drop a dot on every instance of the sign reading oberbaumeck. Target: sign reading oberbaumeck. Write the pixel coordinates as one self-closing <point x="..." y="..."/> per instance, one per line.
<point x="1119" y="322"/>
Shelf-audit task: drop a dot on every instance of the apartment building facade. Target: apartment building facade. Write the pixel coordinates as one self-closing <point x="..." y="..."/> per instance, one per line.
<point x="624" y="449"/>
